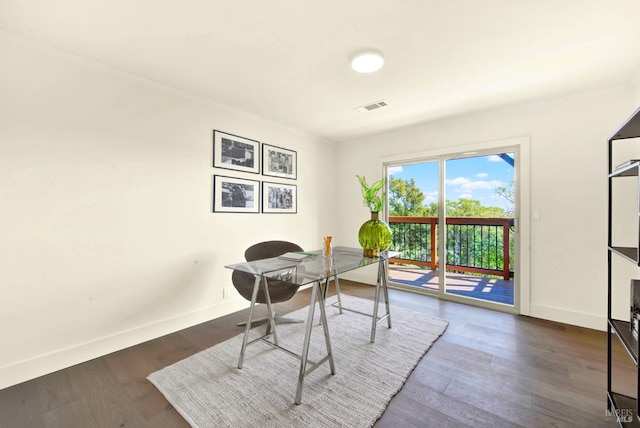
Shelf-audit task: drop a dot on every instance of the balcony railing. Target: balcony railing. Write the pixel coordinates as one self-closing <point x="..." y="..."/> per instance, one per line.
<point x="474" y="245"/>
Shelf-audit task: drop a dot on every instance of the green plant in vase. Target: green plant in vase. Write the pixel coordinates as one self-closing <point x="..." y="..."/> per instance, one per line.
<point x="374" y="235"/>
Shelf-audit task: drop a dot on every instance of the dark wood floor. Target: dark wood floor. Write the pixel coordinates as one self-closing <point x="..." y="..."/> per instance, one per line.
<point x="488" y="369"/>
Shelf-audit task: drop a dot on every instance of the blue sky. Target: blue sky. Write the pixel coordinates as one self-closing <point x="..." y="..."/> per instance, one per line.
<point x="471" y="178"/>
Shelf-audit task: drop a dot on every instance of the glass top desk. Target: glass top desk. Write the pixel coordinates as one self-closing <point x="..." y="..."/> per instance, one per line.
<point x="318" y="270"/>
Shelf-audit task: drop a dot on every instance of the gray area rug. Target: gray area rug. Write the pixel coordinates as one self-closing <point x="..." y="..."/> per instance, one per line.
<point x="208" y="389"/>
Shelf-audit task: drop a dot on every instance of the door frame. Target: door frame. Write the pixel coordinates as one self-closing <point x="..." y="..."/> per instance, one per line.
<point x="519" y="145"/>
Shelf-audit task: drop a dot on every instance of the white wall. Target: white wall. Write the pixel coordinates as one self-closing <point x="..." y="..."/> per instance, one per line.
<point x="108" y="238"/>
<point x="636" y="86"/>
<point x="568" y="161"/>
<point x="107" y="233"/>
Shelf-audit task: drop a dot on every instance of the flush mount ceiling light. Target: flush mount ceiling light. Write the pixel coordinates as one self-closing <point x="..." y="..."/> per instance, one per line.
<point x="367" y="61"/>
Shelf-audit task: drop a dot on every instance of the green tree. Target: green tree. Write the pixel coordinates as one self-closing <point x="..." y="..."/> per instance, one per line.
<point x="431" y="210"/>
<point x="472" y="208"/>
<point x="466" y="245"/>
<point x="405" y="198"/>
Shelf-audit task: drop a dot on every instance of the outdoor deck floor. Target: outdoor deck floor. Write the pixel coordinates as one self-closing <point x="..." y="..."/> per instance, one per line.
<point x="490" y="289"/>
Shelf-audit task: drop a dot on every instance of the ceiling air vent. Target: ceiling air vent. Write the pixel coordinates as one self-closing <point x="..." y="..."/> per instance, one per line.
<point x="372" y="106"/>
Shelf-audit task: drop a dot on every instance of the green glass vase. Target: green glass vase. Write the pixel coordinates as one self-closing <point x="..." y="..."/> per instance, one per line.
<point x="374" y="236"/>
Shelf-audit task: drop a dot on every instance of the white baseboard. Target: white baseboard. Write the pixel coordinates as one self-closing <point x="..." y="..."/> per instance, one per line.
<point x="31" y="368"/>
<point x="580" y="319"/>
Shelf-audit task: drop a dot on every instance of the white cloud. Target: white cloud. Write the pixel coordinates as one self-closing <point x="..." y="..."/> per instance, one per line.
<point x="431" y="197"/>
<point x="482" y="175"/>
<point x="494" y="158"/>
<point x="480" y="184"/>
<point x="466" y="185"/>
<point x="458" y="181"/>
<point x="466" y="196"/>
<point x="394" y="170"/>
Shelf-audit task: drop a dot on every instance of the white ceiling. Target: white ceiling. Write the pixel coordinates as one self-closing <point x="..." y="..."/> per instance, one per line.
<point x="288" y="60"/>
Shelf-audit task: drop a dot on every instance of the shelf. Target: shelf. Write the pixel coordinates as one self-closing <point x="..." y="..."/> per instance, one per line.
<point x="623" y="403"/>
<point x="623" y="408"/>
<point x="629" y="129"/>
<point x="630" y="170"/>
<point x="630" y="343"/>
<point x="630" y="253"/>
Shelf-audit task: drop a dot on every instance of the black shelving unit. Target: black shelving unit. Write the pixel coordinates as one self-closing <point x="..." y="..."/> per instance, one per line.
<point x="619" y="404"/>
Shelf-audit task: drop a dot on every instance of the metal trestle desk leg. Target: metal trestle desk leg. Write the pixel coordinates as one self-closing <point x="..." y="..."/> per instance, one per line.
<point x="245" y="339"/>
<point x="316" y="294"/>
<point x="381" y="282"/>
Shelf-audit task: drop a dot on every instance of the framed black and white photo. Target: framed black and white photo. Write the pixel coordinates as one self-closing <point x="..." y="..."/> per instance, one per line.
<point x="235" y="152"/>
<point x="235" y="195"/>
<point x="279" y="198"/>
<point x="279" y="162"/>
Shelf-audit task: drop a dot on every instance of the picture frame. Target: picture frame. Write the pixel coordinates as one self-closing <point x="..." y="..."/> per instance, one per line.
<point x="279" y="162"/>
<point x="235" y="195"/>
<point x="235" y="152"/>
<point x="279" y="198"/>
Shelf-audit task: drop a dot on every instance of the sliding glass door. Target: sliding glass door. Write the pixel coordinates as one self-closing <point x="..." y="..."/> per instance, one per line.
<point x="454" y="225"/>
<point x="413" y="216"/>
<point x="479" y="227"/>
